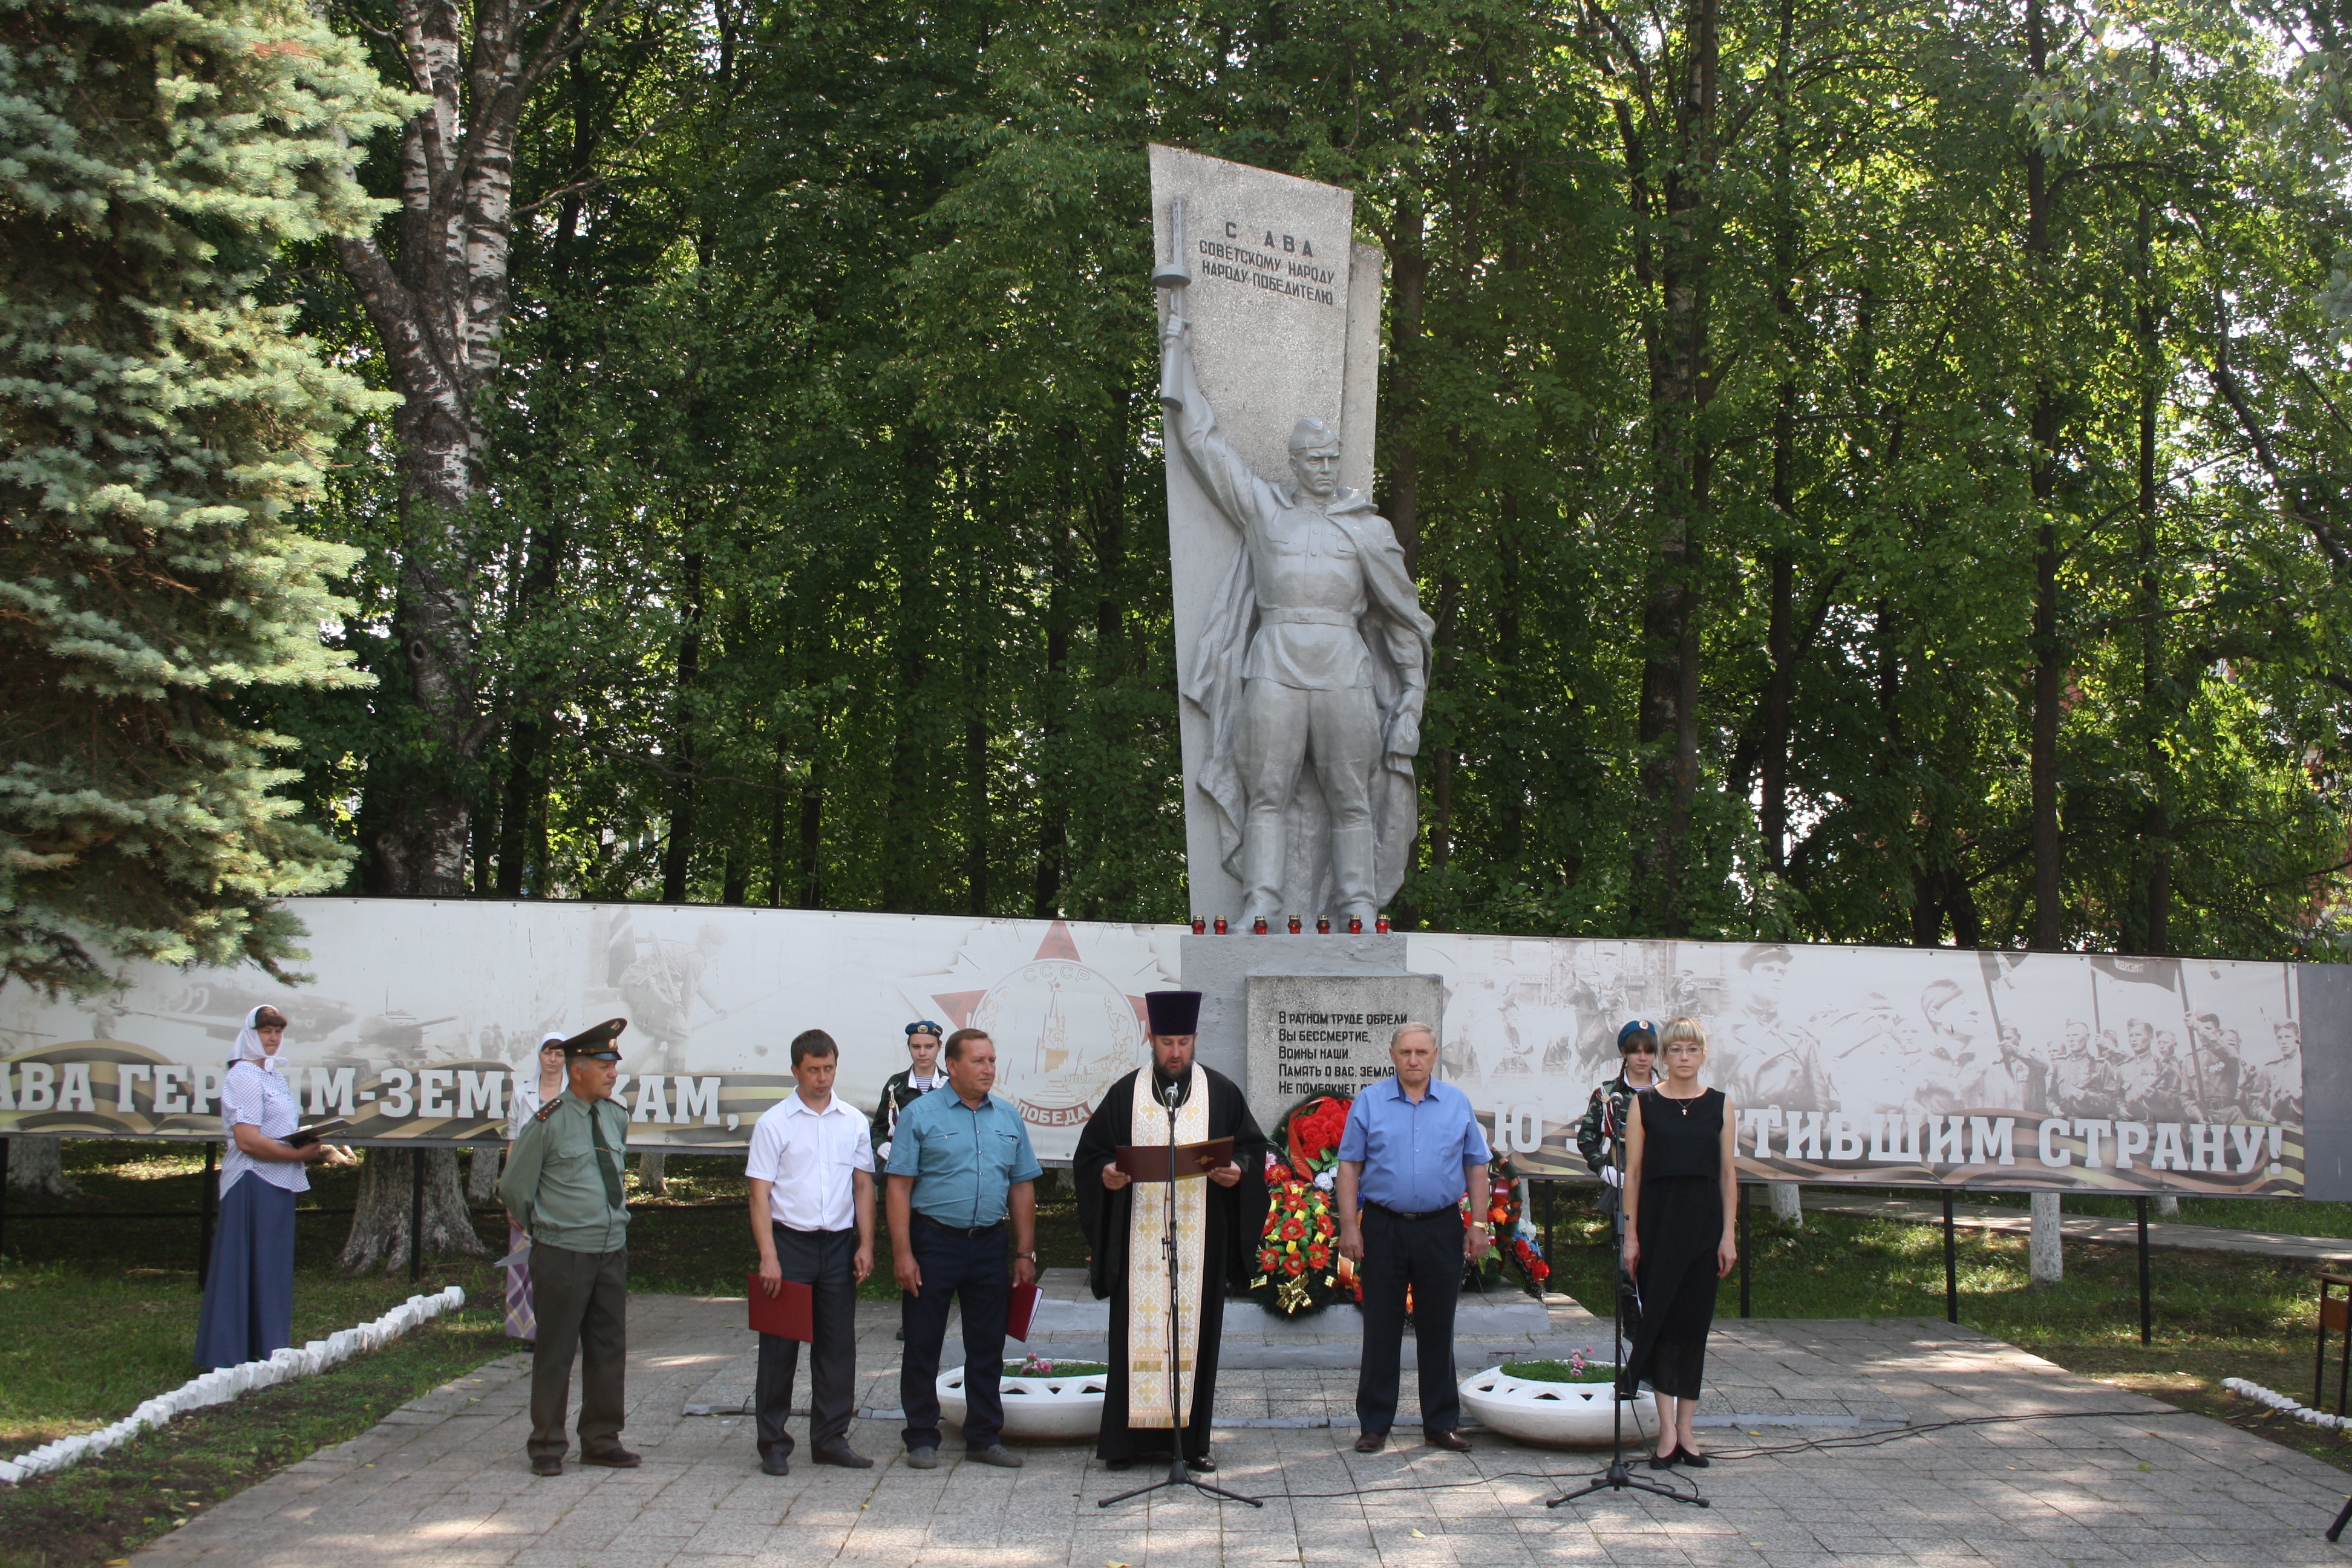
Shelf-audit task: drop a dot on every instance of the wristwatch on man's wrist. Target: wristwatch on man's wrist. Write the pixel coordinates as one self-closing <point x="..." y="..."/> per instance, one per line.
<point x="1030" y="1256"/>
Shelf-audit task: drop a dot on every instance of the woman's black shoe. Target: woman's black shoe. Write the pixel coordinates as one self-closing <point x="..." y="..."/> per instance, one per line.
<point x="1696" y="1461"/>
<point x="1664" y="1461"/>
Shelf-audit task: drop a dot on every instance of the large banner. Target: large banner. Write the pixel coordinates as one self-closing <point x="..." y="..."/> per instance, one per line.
<point x="1871" y="1064"/>
<point x="1905" y="1065"/>
<point x="421" y="1010"/>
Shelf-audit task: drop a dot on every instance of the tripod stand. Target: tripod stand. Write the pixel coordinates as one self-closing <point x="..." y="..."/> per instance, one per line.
<point x="1177" y="1476"/>
<point x="1619" y="1475"/>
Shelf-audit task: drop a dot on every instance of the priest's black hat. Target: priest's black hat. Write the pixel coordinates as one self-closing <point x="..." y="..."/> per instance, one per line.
<point x="1173" y="1012"/>
<point x="595" y="1044"/>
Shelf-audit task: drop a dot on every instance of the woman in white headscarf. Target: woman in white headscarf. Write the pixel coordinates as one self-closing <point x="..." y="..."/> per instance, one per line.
<point x="249" y="1292"/>
<point x="530" y="1094"/>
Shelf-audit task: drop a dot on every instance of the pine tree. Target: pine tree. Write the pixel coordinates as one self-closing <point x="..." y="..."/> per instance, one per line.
<point x="157" y="430"/>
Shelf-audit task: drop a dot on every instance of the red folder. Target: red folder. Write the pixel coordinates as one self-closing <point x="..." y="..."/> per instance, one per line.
<point x="787" y="1314"/>
<point x="1019" y="1311"/>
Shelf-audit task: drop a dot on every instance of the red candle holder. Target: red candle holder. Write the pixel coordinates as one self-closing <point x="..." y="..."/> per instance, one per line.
<point x="1355" y="925"/>
<point x="1200" y="926"/>
<point x="1322" y="926"/>
<point x="1258" y="926"/>
<point x="1220" y="925"/>
<point x="1382" y="924"/>
<point x="1294" y="925"/>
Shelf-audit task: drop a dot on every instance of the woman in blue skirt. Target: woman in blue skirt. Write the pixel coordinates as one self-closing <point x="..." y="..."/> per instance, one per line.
<point x="249" y="1293"/>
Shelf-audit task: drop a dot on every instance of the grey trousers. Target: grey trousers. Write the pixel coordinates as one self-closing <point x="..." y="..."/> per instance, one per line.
<point x="820" y="1259"/>
<point x="584" y="1307"/>
<point x="1283" y="729"/>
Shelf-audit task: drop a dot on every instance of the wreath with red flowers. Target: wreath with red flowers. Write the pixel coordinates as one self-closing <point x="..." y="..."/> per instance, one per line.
<point x="1299" y="1266"/>
<point x="1515" y="1244"/>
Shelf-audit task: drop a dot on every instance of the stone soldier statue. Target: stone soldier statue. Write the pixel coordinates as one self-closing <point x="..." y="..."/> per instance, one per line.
<point x="1312" y="667"/>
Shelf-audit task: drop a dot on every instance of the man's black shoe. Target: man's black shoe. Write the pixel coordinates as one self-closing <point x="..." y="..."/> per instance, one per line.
<point x="1452" y="1442"/>
<point x="547" y="1464"/>
<point x="1117" y="1465"/>
<point x="614" y="1459"/>
<point x="776" y="1464"/>
<point x="1205" y="1465"/>
<point x="1372" y="1442"/>
<point x="842" y="1453"/>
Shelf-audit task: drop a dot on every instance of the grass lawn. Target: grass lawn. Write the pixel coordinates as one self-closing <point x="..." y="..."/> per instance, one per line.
<point x="2290" y="1217"/>
<point x="2217" y="1315"/>
<point x="98" y="1312"/>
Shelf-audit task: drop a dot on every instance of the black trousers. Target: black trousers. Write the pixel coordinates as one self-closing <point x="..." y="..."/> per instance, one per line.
<point x="584" y="1307"/>
<point x="821" y="1261"/>
<point x="973" y="1272"/>
<point x="1425" y="1254"/>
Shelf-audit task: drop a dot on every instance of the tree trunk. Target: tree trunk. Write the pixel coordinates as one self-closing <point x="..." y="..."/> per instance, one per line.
<point x="678" y="848"/>
<point x="380" y="1227"/>
<point x="2156" y="827"/>
<point x="2049" y="655"/>
<point x="1788" y="1204"/>
<point x="1401" y="407"/>
<point x="438" y="300"/>
<point x="1667" y="723"/>
<point x="1780" y="570"/>
<point x="653" y="1172"/>
<point x="482" y="1174"/>
<point x="35" y="1166"/>
<point x="812" y="889"/>
<point x="2045" y="1243"/>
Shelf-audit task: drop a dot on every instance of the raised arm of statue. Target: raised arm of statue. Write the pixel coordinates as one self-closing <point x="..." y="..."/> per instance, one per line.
<point x="1220" y="469"/>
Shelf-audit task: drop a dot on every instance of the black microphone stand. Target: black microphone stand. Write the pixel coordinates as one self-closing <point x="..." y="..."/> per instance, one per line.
<point x="1177" y="1476"/>
<point x="1619" y="1475"/>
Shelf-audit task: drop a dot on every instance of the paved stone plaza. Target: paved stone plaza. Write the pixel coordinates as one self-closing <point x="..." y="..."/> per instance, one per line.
<point x="442" y="1483"/>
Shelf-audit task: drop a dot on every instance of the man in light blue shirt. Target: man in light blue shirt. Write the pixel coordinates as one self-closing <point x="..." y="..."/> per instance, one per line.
<point x="961" y="1165"/>
<point x="1412" y="1151"/>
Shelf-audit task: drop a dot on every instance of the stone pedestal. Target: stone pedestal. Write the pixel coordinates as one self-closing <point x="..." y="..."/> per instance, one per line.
<point x="1317" y="978"/>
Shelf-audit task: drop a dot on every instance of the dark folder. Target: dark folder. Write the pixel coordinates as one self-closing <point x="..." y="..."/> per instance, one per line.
<point x="1159" y="1163"/>
<point x="787" y="1314"/>
<point x="303" y="1137"/>
<point x="1020" y="1313"/>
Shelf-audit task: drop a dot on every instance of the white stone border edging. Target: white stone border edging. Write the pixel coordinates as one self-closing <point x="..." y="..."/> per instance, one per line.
<point x="222" y="1384"/>
<point x="2277" y="1400"/>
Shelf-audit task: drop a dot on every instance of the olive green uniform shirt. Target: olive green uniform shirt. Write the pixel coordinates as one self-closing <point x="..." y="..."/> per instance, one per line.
<point x="552" y="1187"/>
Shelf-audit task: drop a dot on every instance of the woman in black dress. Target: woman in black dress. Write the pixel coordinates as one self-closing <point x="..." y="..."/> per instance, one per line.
<point x="1681" y="1193"/>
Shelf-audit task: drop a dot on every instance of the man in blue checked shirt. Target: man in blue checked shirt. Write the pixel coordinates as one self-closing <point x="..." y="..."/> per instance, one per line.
<point x="1412" y="1151"/>
<point x="960" y="1166"/>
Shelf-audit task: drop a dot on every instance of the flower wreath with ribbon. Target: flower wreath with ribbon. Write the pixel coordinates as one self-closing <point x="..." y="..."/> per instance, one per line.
<point x="1299" y="1268"/>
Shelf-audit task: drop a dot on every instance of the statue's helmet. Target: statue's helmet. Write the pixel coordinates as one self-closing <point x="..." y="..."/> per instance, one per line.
<point x="1311" y="434"/>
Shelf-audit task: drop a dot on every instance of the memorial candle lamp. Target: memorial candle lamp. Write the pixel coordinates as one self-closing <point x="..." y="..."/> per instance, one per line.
<point x="1381" y="925"/>
<point x="1355" y="925"/>
<point x="1220" y="925"/>
<point x="1200" y="927"/>
<point x="1258" y="926"/>
<point x="1322" y="925"/>
<point x="1294" y="925"/>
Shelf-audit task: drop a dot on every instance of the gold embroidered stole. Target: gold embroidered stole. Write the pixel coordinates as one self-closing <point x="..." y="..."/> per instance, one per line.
<point x="1151" y="1361"/>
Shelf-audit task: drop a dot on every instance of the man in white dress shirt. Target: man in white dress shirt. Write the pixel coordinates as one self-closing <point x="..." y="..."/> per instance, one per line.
<point x="812" y="1175"/>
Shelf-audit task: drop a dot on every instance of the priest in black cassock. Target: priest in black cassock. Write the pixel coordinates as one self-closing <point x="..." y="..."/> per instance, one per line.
<point x="1218" y="1222"/>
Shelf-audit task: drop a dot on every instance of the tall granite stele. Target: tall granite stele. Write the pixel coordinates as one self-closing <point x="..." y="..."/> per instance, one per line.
<point x="1302" y="652"/>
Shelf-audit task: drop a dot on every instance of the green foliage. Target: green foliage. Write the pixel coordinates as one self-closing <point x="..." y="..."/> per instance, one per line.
<point x="157" y="429"/>
<point x="822" y="558"/>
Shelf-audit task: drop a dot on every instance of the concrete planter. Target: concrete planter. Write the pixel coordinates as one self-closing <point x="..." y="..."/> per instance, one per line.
<point x="1036" y="1409"/>
<point x="1556" y="1415"/>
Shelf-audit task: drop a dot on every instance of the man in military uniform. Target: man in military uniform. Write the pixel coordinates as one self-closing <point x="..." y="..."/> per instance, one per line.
<point x="903" y="1089"/>
<point x="563" y="1185"/>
